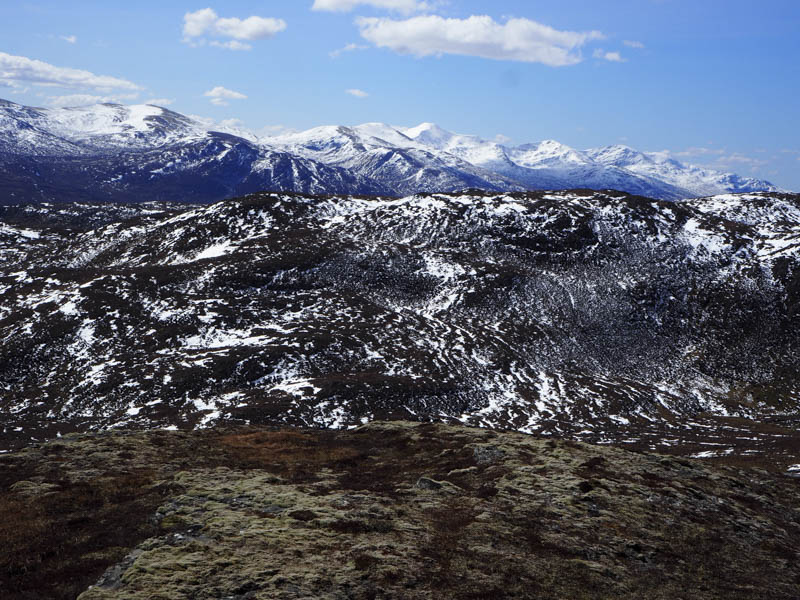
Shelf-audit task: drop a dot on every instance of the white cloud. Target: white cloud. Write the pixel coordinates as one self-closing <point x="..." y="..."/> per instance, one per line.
<point x="719" y="159"/>
<point x="219" y="95"/>
<point x="633" y="44"/>
<point x="502" y="139"/>
<point x="251" y="28"/>
<point x="160" y="101"/>
<point x="517" y="40"/>
<point x="357" y="93"/>
<point x="232" y="45"/>
<point x="238" y="127"/>
<point x="71" y="39"/>
<point x="232" y="123"/>
<point x="740" y="159"/>
<point x="16" y="69"/>
<point x="348" y="48"/>
<point x="13" y="85"/>
<point x="700" y="151"/>
<point x="199" y="25"/>
<point x="402" y="6"/>
<point x="86" y="99"/>
<point x="609" y="56"/>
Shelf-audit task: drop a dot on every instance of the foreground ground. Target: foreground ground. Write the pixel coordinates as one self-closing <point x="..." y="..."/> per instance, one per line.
<point x="388" y="510"/>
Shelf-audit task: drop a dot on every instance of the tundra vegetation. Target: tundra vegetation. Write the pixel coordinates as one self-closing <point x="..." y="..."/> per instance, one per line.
<point x="386" y="510"/>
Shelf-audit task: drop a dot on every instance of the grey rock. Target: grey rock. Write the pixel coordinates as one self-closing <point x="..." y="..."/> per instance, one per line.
<point x="426" y="483"/>
<point x="485" y="455"/>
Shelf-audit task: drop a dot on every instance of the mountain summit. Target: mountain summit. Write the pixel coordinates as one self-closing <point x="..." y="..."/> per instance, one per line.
<point x="145" y="152"/>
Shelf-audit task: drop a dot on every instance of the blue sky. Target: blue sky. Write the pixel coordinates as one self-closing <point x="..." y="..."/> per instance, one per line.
<point x="715" y="82"/>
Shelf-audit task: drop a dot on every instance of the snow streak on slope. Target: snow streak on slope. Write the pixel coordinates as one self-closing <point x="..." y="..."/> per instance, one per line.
<point x="580" y="313"/>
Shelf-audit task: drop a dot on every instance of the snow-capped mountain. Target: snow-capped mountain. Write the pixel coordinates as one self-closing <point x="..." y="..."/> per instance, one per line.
<point x="428" y="158"/>
<point x="137" y="153"/>
<point x="694" y="181"/>
<point x="552" y="165"/>
<point x="91" y="128"/>
<point x="142" y="153"/>
<point x="603" y="316"/>
<point x="392" y="159"/>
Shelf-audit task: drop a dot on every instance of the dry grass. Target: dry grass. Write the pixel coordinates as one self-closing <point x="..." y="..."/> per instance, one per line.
<point x="55" y="545"/>
<point x="292" y="454"/>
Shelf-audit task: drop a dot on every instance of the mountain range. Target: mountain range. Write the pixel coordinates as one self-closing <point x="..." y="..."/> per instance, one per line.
<point x="111" y="152"/>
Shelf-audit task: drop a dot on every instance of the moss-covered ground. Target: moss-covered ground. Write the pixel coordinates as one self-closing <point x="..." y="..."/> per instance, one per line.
<point x="388" y="510"/>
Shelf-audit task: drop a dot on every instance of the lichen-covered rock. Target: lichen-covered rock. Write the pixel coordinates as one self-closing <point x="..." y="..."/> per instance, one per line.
<point x="487" y="454"/>
<point x="33" y="488"/>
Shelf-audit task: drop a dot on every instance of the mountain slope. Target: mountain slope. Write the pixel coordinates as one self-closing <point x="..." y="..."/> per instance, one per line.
<point x="694" y="181"/>
<point x="386" y="155"/>
<point x="596" y="315"/>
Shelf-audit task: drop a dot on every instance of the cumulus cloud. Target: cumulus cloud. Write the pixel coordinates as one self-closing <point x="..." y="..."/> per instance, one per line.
<point x="357" y="93"/>
<point x="14" y="85"/>
<point x="86" y="99"/>
<point x="609" y="56"/>
<point x="70" y="39"/>
<point x="634" y="44"/>
<point x="219" y="96"/>
<point x="402" y="6"/>
<point x="502" y="139"/>
<point x="238" y="127"/>
<point x="196" y="24"/>
<point x="204" y="23"/>
<point x="348" y="48"/>
<point x="20" y="69"/>
<point x="251" y="28"/>
<point x="273" y="130"/>
<point x="517" y="40"/>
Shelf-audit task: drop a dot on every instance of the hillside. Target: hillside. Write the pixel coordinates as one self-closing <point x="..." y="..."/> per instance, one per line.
<point x="597" y="316"/>
<point x="388" y="510"/>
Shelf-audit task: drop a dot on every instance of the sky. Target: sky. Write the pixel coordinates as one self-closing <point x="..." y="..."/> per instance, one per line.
<point x="714" y="82"/>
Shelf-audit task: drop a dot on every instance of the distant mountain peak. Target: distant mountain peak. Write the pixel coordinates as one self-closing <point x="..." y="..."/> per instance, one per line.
<point x="430" y="134"/>
<point x="133" y="149"/>
<point x="619" y="155"/>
